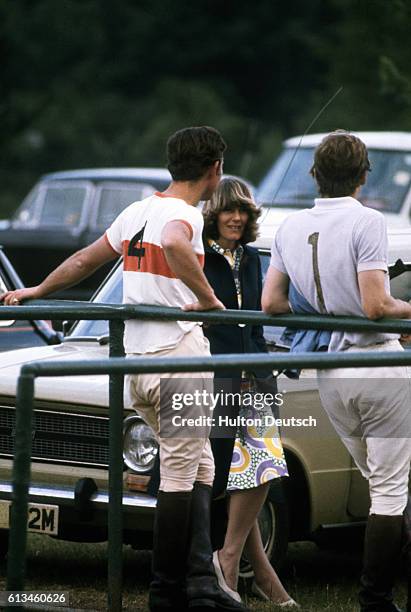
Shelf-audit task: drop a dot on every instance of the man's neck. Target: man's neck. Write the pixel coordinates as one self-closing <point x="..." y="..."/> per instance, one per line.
<point x="349" y="195"/>
<point x="189" y="191"/>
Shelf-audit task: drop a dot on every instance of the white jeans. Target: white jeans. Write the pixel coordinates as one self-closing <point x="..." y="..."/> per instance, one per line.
<point x="370" y="409"/>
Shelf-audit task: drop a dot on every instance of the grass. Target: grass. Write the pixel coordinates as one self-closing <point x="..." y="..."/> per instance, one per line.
<point x="319" y="580"/>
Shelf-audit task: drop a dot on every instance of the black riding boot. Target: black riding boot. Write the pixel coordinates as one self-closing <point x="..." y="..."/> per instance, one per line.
<point x="203" y="591"/>
<point x="381" y="556"/>
<point x="406" y="550"/>
<point x="170" y="546"/>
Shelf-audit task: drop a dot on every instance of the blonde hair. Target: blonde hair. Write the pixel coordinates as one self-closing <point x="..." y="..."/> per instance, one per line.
<point x="230" y="194"/>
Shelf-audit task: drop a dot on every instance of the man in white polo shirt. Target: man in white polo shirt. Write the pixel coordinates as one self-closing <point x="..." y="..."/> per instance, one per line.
<point x="335" y="257"/>
<point x="160" y="239"/>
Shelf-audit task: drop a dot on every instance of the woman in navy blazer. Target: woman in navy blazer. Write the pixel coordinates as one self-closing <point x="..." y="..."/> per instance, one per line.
<point x="245" y="464"/>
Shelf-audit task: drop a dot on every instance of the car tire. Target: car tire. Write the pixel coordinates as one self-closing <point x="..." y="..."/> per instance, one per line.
<point x="274" y="527"/>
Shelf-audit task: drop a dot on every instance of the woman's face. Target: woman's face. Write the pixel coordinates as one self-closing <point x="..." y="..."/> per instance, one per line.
<point x="231" y="225"/>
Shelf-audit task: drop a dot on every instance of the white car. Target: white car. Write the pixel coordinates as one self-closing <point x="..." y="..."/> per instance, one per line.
<point x="288" y="186"/>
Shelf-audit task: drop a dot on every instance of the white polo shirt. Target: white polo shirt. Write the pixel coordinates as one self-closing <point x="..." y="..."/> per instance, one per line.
<point x="323" y="248"/>
<point x="147" y="277"/>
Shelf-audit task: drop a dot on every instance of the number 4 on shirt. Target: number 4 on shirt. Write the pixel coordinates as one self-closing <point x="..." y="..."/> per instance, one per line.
<point x="135" y="247"/>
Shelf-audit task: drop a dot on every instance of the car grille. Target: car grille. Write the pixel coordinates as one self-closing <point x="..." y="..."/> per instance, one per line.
<point x="59" y="437"/>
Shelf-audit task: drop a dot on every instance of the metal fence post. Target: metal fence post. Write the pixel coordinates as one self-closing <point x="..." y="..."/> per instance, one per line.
<point x="21" y="482"/>
<point x="115" y="508"/>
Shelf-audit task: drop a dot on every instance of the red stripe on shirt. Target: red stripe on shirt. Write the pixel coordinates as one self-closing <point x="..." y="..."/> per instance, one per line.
<point x="152" y="259"/>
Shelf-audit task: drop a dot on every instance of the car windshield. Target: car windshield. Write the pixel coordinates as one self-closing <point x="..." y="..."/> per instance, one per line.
<point x="111" y="292"/>
<point x="52" y="204"/>
<point x="289" y="182"/>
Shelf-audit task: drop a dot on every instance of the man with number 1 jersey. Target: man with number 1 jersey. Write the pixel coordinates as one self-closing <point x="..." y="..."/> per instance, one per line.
<point x="335" y="257"/>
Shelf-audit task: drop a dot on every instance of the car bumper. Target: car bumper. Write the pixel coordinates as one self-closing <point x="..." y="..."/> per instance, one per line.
<point x="79" y="515"/>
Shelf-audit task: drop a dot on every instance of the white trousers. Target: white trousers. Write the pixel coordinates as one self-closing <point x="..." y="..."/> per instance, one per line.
<point x="182" y="460"/>
<point x="370" y="409"/>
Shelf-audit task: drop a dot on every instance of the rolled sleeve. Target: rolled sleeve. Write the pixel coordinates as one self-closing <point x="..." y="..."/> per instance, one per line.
<point x="106" y="236"/>
<point x="193" y="219"/>
<point x="372" y="265"/>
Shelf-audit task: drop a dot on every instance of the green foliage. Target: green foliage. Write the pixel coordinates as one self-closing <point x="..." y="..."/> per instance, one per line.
<point x="98" y="83"/>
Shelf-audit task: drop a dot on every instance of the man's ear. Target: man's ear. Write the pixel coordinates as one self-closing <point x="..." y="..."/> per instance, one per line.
<point x="363" y="178"/>
<point x="218" y="166"/>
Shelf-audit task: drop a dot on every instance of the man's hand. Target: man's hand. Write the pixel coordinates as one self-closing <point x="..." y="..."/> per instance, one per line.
<point x="212" y="304"/>
<point x="14" y="298"/>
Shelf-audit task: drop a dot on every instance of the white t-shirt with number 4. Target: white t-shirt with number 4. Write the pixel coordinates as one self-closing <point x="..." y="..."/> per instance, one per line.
<point x="147" y="277"/>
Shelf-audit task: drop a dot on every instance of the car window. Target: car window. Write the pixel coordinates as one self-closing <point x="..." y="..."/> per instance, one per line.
<point x="52" y="203"/>
<point x="26" y="213"/>
<point x="113" y="199"/>
<point x="62" y="206"/>
<point x="289" y="182"/>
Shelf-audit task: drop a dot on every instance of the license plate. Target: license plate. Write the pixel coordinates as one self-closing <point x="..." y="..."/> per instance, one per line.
<point x="41" y="518"/>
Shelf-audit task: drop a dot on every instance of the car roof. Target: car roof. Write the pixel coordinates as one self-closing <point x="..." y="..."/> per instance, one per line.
<point x="110" y="174"/>
<point x="379" y="140"/>
<point x="122" y="174"/>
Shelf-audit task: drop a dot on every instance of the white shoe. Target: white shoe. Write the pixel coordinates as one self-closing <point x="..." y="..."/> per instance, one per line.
<point x="221" y="580"/>
<point x="290" y="603"/>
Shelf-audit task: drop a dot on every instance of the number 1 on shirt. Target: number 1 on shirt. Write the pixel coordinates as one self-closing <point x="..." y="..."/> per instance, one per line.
<point x="313" y="240"/>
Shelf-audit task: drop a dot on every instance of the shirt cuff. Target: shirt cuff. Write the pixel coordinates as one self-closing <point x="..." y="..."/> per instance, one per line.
<point x="278" y="265"/>
<point x="372" y="265"/>
<point x="110" y="245"/>
<point x="188" y="225"/>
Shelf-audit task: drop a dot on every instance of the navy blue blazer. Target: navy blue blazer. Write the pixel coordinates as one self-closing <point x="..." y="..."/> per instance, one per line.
<point x="232" y="338"/>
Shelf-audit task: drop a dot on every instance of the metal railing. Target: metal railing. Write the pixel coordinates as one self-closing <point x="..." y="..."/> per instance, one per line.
<point x="117" y="366"/>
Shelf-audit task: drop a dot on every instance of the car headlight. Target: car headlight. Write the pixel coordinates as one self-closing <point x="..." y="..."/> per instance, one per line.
<point x="139" y="445"/>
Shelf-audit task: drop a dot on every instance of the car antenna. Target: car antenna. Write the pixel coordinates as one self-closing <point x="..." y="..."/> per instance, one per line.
<point x="318" y="115"/>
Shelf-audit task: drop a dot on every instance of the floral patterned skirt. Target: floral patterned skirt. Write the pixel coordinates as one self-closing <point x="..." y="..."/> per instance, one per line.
<point x="258" y="455"/>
